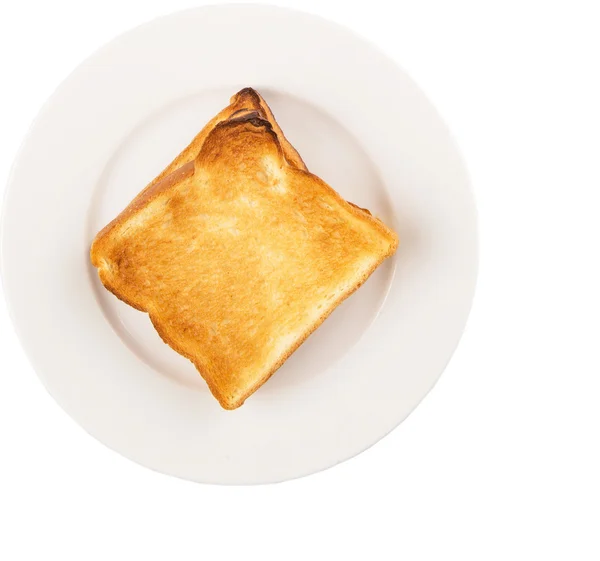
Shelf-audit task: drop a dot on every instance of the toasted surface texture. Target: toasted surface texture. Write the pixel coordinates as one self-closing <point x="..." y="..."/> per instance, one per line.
<point x="238" y="255"/>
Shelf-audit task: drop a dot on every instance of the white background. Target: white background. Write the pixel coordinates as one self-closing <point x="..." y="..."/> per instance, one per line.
<point x="502" y="459"/>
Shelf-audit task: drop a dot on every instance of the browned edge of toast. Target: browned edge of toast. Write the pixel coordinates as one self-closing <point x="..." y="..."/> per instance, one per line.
<point x="246" y="99"/>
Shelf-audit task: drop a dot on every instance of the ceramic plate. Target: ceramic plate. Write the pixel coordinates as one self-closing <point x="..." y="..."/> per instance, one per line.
<point x="359" y="122"/>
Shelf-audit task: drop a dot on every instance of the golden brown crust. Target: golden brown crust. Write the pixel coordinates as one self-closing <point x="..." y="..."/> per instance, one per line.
<point x="245" y="100"/>
<point x="110" y="251"/>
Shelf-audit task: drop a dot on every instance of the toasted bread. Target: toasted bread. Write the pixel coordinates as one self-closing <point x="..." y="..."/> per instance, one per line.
<point x="239" y="255"/>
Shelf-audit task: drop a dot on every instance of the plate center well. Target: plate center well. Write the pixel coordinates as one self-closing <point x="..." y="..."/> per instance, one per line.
<point x="328" y="150"/>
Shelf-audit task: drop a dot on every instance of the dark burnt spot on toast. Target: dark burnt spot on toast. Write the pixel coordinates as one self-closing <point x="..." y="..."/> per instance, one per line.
<point x="249" y="92"/>
<point x="239" y="112"/>
<point x="252" y="117"/>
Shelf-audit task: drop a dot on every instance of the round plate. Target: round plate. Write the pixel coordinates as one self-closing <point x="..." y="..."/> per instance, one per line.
<point x="359" y="122"/>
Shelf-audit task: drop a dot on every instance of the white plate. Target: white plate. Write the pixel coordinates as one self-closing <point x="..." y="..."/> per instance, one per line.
<point x="359" y="122"/>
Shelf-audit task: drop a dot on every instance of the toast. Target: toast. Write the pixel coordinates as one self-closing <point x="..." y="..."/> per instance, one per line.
<point x="239" y="254"/>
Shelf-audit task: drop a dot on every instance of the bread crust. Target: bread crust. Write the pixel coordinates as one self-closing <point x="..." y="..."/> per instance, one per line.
<point x="246" y="99"/>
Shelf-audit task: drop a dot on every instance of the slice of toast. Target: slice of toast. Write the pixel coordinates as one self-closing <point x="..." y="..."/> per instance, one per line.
<point x="239" y="255"/>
